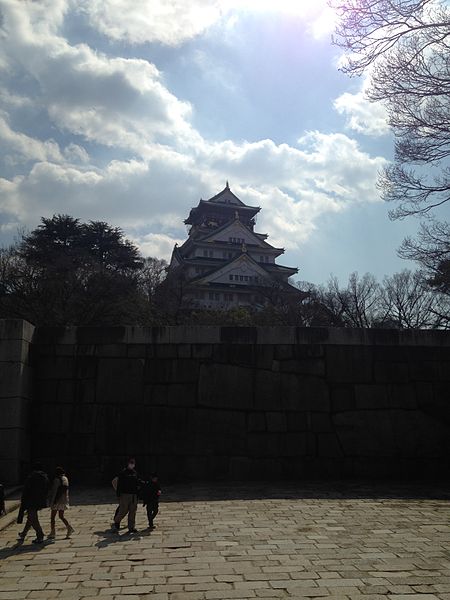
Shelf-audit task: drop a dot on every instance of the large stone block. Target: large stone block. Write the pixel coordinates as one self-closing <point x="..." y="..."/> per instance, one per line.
<point x="16" y="329"/>
<point x="56" y="367"/>
<point x="366" y="433"/>
<point x="101" y="335"/>
<point x="120" y="380"/>
<point x="182" y="394"/>
<point x="304" y="366"/>
<point x="402" y="395"/>
<point x="283" y="352"/>
<point x="240" y="468"/>
<point x="14" y="413"/>
<point x="11" y="377"/>
<point x="349" y="364"/>
<point x="166" y="351"/>
<point x="85" y="392"/>
<point x="201" y="351"/>
<point x="156" y="395"/>
<point x="264" y="444"/>
<point x="426" y="370"/>
<point x="225" y="386"/>
<point x="110" y="427"/>
<point x="184" y="370"/>
<point x="256" y="421"/>
<point x="10" y="471"/>
<point x="309" y="351"/>
<point x="242" y="354"/>
<point x="297" y="421"/>
<point x="238" y="335"/>
<point x="218" y="431"/>
<point x="420" y="435"/>
<point x="55" y="418"/>
<point x="329" y="446"/>
<point x="293" y="444"/>
<point x="14" y="351"/>
<point x="321" y="421"/>
<point x="111" y="350"/>
<point x="436" y="404"/>
<point x="391" y="372"/>
<point x="304" y="393"/>
<point x="11" y="443"/>
<point x="371" y="396"/>
<point x="269" y="335"/>
<point x="83" y="418"/>
<point x="268" y="393"/>
<point x="342" y="397"/>
<point x="46" y="390"/>
<point x="55" y="335"/>
<point x="264" y="356"/>
<point x="158" y="370"/>
<point x="67" y="391"/>
<point x="276" y="421"/>
<point x="185" y="350"/>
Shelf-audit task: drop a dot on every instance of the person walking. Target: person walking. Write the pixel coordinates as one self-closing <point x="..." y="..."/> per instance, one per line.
<point x="34" y="499"/>
<point x="127" y="492"/>
<point x="150" y="493"/>
<point x="59" y="502"/>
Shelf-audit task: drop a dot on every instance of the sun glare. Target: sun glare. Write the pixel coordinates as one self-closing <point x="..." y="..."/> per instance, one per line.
<point x="319" y="16"/>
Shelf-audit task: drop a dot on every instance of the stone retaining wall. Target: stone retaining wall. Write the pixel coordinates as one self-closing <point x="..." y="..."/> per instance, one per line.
<point x="238" y="403"/>
<point x="15" y="398"/>
<point x="224" y="402"/>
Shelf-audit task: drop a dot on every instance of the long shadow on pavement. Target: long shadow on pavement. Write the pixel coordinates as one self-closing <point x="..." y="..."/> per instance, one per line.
<point x="238" y="490"/>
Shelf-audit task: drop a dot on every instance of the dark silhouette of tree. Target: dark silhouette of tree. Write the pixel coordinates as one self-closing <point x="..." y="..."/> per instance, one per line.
<point x="66" y="272"/>
<point x="404" y="47"/>
<point x="407" y="302"/>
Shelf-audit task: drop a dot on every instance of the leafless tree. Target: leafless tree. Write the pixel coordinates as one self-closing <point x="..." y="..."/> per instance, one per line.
<point x="355" y="305"/>
<point x="404" y="45"/>
<point x="408" y="302"/>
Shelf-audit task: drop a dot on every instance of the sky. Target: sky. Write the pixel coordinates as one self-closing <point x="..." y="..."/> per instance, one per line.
<point x="130" y="112"/>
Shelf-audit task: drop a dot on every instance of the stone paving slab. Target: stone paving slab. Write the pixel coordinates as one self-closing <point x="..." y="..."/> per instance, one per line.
<point x="254" y="541"/>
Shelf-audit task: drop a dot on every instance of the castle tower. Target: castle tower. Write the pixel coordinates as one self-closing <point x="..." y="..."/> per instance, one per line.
<point x="224" y="262"/>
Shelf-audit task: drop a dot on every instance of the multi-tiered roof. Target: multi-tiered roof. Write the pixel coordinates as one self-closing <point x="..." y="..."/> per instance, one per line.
<point x="224" y="262"/>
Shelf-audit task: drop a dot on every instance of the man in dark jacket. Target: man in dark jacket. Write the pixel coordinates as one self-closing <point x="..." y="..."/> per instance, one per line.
<point x="127" y="492"/>
<point x="34" y="498"/>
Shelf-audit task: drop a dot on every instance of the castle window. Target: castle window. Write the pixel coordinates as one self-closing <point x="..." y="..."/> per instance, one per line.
<point x="228" y="297"/>
<point x="205" y="252"/>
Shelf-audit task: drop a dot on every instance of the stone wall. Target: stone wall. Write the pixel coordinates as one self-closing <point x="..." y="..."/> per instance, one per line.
<point x="238" y="403"/>
<point x="15" y="398"/>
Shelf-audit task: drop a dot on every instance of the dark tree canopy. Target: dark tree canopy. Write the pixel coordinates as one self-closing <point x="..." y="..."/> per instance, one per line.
<point x="66" y="272"/>
<point x="404" y="47"/>
<point x="62" y="242"/>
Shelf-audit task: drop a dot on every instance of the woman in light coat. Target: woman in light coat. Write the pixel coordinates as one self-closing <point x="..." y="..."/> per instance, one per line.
<point x="59" y="502"/>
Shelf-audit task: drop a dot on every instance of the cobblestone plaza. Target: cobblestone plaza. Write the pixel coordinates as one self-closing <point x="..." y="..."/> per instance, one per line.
<point x="235" y="541"/>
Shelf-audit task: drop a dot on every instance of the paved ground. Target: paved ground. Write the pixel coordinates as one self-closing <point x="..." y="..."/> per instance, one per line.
<point x="244" y="542"/>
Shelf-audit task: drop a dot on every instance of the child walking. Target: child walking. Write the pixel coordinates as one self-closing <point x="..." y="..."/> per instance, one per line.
<point x="150" y="492"/>
<point x="59" y="502"/>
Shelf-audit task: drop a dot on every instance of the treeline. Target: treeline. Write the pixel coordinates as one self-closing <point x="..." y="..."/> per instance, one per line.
<point x="66" y="272"/>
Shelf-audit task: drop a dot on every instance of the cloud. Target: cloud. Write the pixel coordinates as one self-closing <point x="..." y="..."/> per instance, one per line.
<point x="170" y="22"/>
<point x="158" y="245"/>
<point x="17" y="148"/>
<point x="101" y="106"/>
<point x="363" y="116"/>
